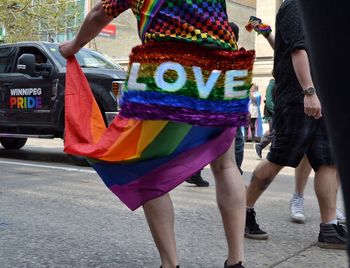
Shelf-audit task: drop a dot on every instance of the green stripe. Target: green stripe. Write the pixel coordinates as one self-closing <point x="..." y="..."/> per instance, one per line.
<point x="167" y="140"/>
<point x="164" y="144"/>
<point x="190" y="89"/>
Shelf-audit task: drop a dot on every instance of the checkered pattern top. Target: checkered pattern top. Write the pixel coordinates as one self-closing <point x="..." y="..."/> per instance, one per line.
<point x="199" y="21"/>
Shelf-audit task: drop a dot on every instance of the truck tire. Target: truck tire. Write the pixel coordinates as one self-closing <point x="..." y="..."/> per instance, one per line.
<point x="13" y="143"/>
<point x="79" y="160"/>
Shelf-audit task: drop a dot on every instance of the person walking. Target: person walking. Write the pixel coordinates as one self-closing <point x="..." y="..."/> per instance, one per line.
<point x="197" y="178"/>
<point x="299" y="129"/>
<point x="267" y="138"/>
<point x="253" y="130"/>
<point x="170" y="124"/>
<point x="303" y="170"/>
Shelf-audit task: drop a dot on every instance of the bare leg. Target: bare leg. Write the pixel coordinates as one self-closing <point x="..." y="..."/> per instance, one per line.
<point x="160" y="216"/>
<point x="302" y="173"/>
<point x="230" y="196"/>
<point x="341" y="217"/>
<point x="326" y="186"/>
<point x="262" y="176"/>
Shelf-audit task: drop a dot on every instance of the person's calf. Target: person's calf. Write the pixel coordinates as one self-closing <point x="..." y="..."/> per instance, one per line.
<point x="261" y="178"/>
<point x="325" y="183"/>
<point x="256" y="187"/>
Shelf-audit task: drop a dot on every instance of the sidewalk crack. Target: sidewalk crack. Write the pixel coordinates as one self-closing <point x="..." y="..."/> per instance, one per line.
<point x="293" y="255"/>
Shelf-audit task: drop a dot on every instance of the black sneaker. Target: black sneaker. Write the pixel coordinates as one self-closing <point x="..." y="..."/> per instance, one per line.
<point x="252" y="229"/>
<point x="237" y="265"/>
<point x="198" y="180"/>
<point x="258" y="150"/>
<point x="332" y="236"/>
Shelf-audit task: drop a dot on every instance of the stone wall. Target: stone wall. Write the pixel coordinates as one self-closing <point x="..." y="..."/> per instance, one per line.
<point x="266" y="10"/>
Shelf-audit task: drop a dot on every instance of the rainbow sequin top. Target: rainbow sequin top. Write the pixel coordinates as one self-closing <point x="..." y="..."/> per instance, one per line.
<point x="195" y="21"/>
<point x="180" y="106"/>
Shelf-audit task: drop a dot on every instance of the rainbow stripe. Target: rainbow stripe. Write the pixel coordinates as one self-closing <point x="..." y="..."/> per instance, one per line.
<point x="224" y="106"/>
<point x="148" y="10"/>
<point x="137" y="160"/>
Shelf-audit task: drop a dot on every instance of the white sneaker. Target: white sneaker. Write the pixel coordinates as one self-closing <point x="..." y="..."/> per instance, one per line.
<point x="297" y="209"/>
<point x="341" y="216"/>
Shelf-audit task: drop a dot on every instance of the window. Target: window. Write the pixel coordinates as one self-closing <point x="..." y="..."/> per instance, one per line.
<point x="87" y="58"/>
<point x="5" y="59"/>
<point x="39" y="57"/>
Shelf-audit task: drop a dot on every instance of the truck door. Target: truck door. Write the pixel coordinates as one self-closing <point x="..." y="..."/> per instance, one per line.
<point x="27" y="98"/>
<point x="7" y="59"/>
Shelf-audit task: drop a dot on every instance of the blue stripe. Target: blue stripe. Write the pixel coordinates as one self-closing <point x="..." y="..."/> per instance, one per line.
<point x="163" y="99"/>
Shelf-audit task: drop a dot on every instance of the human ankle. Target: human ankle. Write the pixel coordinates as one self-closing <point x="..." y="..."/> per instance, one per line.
<point x="299" y="195"/>
<point x="332" y="222"/>
<point x="229" y="264"/>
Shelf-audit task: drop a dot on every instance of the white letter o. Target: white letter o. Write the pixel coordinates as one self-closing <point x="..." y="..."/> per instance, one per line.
<point x="181" y="76"/>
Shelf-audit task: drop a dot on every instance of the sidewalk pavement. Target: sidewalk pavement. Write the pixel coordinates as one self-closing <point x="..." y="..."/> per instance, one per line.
<point x="201" y="241"/>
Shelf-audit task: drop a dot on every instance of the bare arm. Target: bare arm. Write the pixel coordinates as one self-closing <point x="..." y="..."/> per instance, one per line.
<point x="271" y="39"/>
<point x="302" y="68"/>
<point x="312" y="106"/>
<point x="269" y="36"/>
<point x="93" y="23"/>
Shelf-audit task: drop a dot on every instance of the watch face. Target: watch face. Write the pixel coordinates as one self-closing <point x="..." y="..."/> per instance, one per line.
<point x="309" y="91"/>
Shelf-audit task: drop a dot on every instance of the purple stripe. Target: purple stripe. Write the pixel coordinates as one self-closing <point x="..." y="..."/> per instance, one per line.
<point x="166" y="99"/>
<point x="175" y="172"/>
<point x="184" y="115"/>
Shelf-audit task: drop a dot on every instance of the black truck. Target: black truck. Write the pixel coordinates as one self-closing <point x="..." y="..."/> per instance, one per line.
<point x="32" y="82"/>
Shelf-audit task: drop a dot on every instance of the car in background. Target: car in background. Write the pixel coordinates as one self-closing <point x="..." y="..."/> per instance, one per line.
<point x="32" y="86"/>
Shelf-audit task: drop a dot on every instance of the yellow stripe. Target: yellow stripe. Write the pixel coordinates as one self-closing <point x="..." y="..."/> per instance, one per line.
<point x="150" y="130"/>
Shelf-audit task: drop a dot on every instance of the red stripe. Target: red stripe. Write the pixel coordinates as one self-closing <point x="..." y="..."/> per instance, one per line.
<point x="83" y="121"/>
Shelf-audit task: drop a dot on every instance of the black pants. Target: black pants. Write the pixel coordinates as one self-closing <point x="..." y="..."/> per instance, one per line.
<point x="326" y="25"/>
<point x="251" y="125"/>
<point x="267" y="138"/>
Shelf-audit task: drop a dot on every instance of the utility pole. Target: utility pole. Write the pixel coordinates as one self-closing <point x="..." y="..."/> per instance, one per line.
<point x="88" y="6"/>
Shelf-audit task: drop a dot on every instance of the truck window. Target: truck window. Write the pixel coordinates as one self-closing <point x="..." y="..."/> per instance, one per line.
<point x="87" y="58"/>
<point x="6" y="61"/>
<point x="39" y="56"/>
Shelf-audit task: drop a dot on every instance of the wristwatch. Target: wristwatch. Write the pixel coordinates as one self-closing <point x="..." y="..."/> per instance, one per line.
<point x="309" y="91"/>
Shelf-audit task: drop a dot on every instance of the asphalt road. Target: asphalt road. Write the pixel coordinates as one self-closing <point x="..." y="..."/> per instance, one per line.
<point x="56" y="214"/>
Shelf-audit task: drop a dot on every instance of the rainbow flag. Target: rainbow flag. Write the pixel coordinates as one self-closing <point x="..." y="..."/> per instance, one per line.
<point x="146" y="14"/>
<point x="138" y="160"/>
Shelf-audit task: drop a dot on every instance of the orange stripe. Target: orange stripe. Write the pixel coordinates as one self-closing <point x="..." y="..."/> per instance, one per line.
<point x="97" y="124"/>
<point x="120" y="141"/>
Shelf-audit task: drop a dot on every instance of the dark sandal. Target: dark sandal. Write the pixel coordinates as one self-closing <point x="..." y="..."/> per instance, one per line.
<point x="237" y="265"/>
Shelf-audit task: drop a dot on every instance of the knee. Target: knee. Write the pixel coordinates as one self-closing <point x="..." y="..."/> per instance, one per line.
<point x="222" y="164"/>
<point x="262" y="182"/>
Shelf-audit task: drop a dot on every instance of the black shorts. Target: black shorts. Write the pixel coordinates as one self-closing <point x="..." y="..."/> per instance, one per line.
<point x="297" y="134"/>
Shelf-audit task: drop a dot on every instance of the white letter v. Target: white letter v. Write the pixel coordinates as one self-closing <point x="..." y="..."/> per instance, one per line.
<point x="205" y="89"/>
